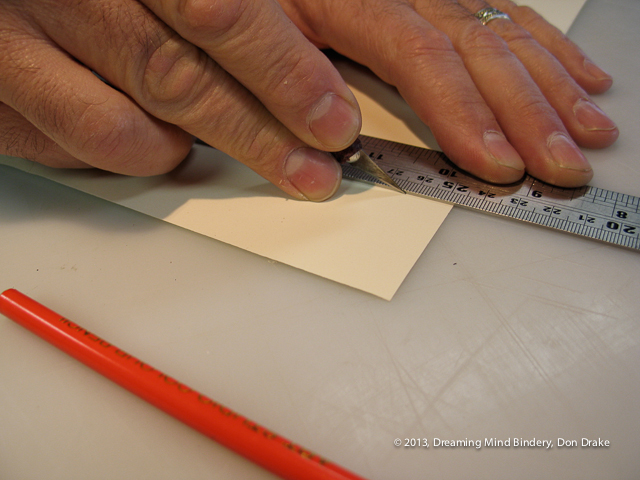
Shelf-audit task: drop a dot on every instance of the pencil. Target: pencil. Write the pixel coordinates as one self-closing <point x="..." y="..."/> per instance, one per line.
<point x="256" y="443"/>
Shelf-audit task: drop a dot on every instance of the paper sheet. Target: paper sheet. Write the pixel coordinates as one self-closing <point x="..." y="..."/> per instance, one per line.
<point x="341" y="239"/>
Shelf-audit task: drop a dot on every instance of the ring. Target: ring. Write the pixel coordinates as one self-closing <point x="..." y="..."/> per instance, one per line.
<point x="487" y="14"/>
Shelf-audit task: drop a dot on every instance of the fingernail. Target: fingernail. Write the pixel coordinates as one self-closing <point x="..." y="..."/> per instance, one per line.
<point x="502" y="151"/>
<point x="595" y="71"/>
<point x="591" y="117"/>
<point x="566" y="154"/>
<point x="334" y="122"/>
<point x="315" y="174"/>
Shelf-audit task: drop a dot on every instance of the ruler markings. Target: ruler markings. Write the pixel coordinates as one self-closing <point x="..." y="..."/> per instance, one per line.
<point x="587" y="211"/>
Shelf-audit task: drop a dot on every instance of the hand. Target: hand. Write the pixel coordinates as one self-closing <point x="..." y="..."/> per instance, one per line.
<point x="235" y="73"/>
<point x="498" y="98"/>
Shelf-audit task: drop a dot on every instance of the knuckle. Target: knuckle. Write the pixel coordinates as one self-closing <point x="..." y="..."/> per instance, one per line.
<point x="480" y="40"/>
<point x="107" y="136"/>
<point x="531" y="107"/>
<point x="526" y="11"/>
<point x="422" y="50"/>
<point x="512" y="32"/>
<point x="258" y="145"/>
<point x="172" y="78"/>
<point x="213" y="17"/>
<point x="263" y="146"/>
<point x="517" y="38"/>
<point x="532" y="21"/>
<point x="119" y="142"/>
<point x="528" y="17"/>
<point x="423" y="42"/>
<point x="99" y="133"/>
<point x="564" y="87"/>
<point x="292" y="73"/>
<point x="131" y="29"/>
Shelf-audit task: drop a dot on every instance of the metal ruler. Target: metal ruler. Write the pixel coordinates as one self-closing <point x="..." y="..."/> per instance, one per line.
<point x="587" y="211"/>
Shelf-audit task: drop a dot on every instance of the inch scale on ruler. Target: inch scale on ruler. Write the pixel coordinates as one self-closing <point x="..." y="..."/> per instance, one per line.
<point x="587" y="211"/>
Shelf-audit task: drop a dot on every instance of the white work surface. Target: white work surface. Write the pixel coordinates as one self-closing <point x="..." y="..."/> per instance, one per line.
<point x="502" y="330"/>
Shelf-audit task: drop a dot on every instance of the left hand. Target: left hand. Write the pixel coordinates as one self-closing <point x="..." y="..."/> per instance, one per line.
<point x="235" y="73"/>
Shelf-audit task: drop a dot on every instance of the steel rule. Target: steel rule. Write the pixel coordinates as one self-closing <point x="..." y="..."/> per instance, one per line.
<point x="587" y="211"/>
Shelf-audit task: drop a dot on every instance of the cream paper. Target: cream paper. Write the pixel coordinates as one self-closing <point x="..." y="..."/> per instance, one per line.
<point x="343" y="239"/>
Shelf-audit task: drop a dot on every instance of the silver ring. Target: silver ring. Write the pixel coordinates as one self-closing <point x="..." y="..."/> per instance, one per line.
<point x="487" y="14"/>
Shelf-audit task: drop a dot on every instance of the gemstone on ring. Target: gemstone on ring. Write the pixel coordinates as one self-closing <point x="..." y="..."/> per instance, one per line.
<point x="487" y="14"/>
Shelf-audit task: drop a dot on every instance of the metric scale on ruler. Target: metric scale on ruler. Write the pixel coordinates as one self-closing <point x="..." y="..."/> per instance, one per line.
<point x="587" y="211"/>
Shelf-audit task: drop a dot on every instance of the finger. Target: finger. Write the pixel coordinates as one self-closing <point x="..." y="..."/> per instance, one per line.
<point x="585" y="72"/>
<point x="585" y="122"/>
<point x="179" y="83"/>
<point x="429" y="74"/>
<point x="90" y="121"/>
<point x="530" y="123"/>
<point x="19" y="138"/>
<point x="258" y="45"/>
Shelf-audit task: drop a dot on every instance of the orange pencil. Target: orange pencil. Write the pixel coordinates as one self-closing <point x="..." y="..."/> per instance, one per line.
<point x="256" y="443"/>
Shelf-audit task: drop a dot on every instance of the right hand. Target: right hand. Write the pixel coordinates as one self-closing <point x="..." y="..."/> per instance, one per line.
<point x="500" y="98"/>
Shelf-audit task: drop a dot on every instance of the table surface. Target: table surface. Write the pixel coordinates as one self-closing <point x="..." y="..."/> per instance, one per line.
<point x="502" y="330"/>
